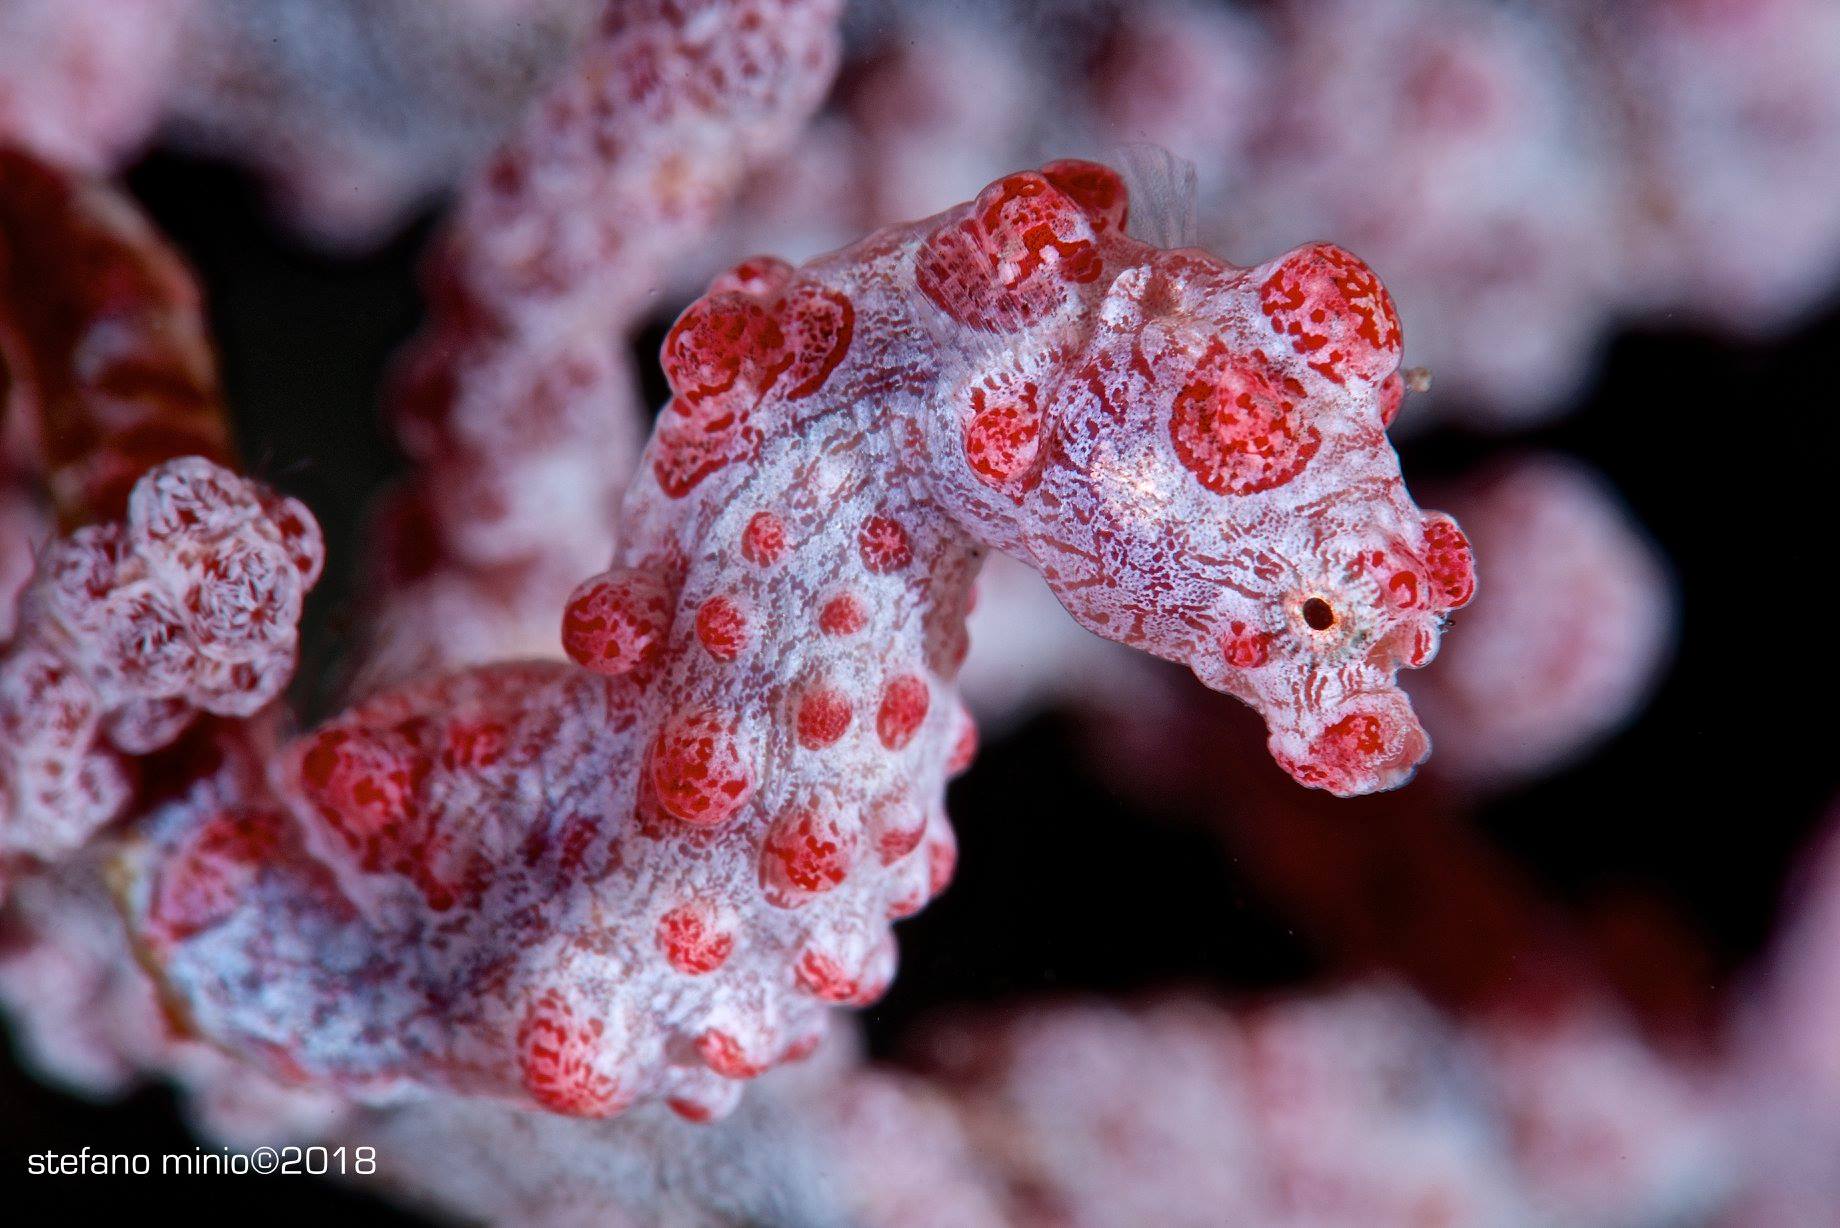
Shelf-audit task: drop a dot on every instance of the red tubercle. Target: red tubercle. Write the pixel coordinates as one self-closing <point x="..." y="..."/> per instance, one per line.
<point x="1392" y="398"/>
<point x="809" y="850"/>
<point x="819" y="324"/>
<point x="941" y="860"/>
<point x="694" y="939"/>
<point x="724" y="1054"/>
<point x="698" y="769"/>
<point x="905" y="700"/>
<point x="721" y="628"/>
<point x="763" y="541"/>
<point x="884" y="545"/>
<point x="1359" y="748"/>
<point x="363" y="784"/>
<point x="842" y="615"/>
<point x="1334" y="313"/>
<point x="825" y="978"/>
<point x="1013" y="259"/>
<point x="1096" y="188"/>
<point x="964" y="747"/>
<point x="1450" y="561"/>
<point x="1245" y="647"/>
<point x="760" y="276"/>
<point x="560" y="1060"/>
<point x="1238" y="423"/>
<point x="1003" y="430"/>
<point x="897" y="824"/>
<point x="690" y="1110"/>
<point x="823" y="715"/>
<point x="202" y="882"/>
<point x="617" y="621"/>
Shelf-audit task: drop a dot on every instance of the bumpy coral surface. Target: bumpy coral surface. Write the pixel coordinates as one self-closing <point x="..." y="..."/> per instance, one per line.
<point x="23" y="532"/>
<point x="519" y="402"/>
<point x="1575" y="621"/>
<point x="82" y="82"/>
<point x="356" y="112"/>
<point x="1339" y="1111"/>
<point x="646" y="876"/>
<point x="129" y="630"/>
<point x="1359" y="1108"/>
<point x="1450" y="143"/>
<point x="108" y="370"/>
<point x="1732" y="169"/>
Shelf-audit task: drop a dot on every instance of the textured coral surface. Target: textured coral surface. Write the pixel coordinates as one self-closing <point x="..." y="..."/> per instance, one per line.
<point x="518" y="402"/>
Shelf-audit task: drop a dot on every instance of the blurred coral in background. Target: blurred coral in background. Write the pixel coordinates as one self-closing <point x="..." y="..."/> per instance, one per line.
<point x="533" y="802"/>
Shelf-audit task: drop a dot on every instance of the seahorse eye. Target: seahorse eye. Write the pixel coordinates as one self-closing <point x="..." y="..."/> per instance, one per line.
<point x="1318" y="614"/>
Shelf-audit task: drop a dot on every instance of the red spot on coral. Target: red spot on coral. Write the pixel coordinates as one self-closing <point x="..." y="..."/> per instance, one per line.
<point x="690" y="1110"/>
<point x="697" y="769"/>
<point x="807" y="851"/>
<point x="559" y="1057"/>
<point x="723" y="1054"/>
<point x="904" y="705"/>
<point x="1447" y="557"/>
<point x="1244" y="647"/>
<point x="1334" y="312"/>
<point x="764" y="539"/>
<point x="692" y="940"/>
<point x="1235" y="424"/>
<point x="884" y="545"/>
<point x="721" y="628"/>
<point x="617" y="621"/>
<point x="823" y="716"/>
<point x="842" y="615"/>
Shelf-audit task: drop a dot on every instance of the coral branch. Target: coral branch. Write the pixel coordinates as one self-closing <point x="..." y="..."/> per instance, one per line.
<point x="102" y="340"/>
<point x="129" y="630"/>
<point x="518" y="403"/>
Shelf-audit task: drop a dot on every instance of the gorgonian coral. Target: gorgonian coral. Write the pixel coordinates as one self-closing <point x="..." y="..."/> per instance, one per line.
<point x="1566" y="644"/>
<point x="185" y="593"/>
<point x="519" y="402"/>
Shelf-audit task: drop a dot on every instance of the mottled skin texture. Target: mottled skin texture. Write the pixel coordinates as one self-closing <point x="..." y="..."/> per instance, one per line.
<point x="647" y="877"/>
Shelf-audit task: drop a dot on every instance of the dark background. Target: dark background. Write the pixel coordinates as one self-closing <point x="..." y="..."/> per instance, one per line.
<point x="1725" y="452"/>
